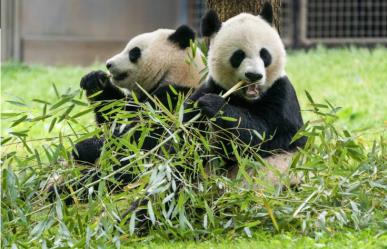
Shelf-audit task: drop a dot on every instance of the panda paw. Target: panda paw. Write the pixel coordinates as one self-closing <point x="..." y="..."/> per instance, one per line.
<point x="94" y="81"/>
<point x="210" y="104"/>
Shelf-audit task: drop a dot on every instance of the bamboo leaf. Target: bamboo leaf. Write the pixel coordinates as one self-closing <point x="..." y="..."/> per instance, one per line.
<point x="151" y="213"/>
<point x="41" y="101"/>
<point x="132" y="223"/>
<point x="5" y="115"/>
<point x="5" y="140"/>
<point x="18" y="121"/>
<point x="60" y="103"/>
<point x="84" y="112"/>
<point x="18" y="103"/>
<point x="56" y="90"/>
<point x="66" y="113"/>
<point x="52" y="124"/>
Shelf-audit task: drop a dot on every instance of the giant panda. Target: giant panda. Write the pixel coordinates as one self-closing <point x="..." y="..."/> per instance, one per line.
<point x="155" y="61"/>
<point x="248" y="48"/>
<point x="244" y="48"/>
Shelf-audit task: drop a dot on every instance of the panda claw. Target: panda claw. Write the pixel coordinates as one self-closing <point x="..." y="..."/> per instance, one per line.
<point x="94" y="81"/>
<point x="210" y="104"/>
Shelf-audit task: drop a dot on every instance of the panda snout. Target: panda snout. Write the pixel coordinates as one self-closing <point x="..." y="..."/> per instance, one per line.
<point x="253" y="77"/>
<point x="112" y="68"/>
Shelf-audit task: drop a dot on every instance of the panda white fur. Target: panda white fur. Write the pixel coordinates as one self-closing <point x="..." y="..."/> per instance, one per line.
<point x="248" y="48"/>
<point x="153" y="60"/>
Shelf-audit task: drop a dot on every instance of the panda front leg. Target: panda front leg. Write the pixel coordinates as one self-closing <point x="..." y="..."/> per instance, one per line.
<point x="88" y="151"/>
<point x="86" y="154"/>
<point x="99" y="88"/>
<point x="242" y="125"/>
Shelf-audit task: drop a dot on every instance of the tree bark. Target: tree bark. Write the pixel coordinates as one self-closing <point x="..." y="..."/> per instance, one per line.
<point x="229" y="8"/>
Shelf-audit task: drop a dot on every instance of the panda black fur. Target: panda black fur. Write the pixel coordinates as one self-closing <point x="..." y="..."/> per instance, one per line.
<point x="248" y="48"/>
<point x="156" y="61"/>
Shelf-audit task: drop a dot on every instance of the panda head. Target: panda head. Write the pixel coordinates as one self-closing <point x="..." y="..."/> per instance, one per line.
<point x="245" y="47"/>
<point x="155" y="58"/>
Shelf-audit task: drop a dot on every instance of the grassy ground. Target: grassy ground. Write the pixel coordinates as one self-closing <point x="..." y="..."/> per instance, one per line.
<point x="284" y="241"/>
<point x="354" y="79"/>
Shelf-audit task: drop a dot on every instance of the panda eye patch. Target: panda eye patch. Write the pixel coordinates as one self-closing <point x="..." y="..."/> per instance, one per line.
<point x="237" y="58"/>
<point x="265" y="56"/>
<point x="134" y="54"/>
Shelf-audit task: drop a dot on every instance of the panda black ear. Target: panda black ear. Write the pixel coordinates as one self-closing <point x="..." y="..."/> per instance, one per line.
<point x="267" y="12"/>
<point x="210" y="23"/>
<point x="182" y="36"/>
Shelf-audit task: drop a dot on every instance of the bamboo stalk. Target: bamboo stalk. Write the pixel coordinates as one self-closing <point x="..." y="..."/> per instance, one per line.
<point x="233" y="89"/>
<point x="153" y="150"/>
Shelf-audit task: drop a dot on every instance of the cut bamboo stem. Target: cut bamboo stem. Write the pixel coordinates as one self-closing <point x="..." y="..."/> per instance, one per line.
<point x="143" y="156"/>
<point x="233" y="89"/>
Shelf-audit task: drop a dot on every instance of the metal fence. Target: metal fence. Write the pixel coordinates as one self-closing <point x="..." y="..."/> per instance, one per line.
<point x="197" y="8"/>
<point x="79" y="32"/>
<point x="287" y="29"/>
<point x="344" y="21"/>
<point x="310" y="22"/>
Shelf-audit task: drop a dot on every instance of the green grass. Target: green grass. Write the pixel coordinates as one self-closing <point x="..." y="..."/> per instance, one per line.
<point x="348" y="239"/>
<point x="349" y="166"/>
<point x="354" y="79"/>
<point x="25" y="83"/>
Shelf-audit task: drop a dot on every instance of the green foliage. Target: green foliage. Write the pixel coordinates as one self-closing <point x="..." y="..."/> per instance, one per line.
<point x="352" y="78"/>
<point x="343" y="189"/>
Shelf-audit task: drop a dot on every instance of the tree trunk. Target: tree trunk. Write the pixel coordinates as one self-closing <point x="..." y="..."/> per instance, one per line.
<point x="230" y="8"/>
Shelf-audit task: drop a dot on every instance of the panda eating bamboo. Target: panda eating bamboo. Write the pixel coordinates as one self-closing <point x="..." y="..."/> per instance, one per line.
<point x="248" y="85"/>
<point x="247" y="48"/>
<point x="152" y="62"/>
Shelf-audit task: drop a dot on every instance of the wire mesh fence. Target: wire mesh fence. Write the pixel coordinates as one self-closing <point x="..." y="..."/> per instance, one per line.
<point x="287" y="26"/>
<point x="308" y="22"/>
<point x="27" y="36"/>
<point x="344" y="21"/>
<point x="197" y="8"/>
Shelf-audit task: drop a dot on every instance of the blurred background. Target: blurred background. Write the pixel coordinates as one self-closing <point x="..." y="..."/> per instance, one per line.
<point x="81" y="32"/>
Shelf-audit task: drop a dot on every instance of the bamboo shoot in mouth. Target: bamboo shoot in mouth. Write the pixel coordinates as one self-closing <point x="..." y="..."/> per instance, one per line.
<point x="233" y="89"/>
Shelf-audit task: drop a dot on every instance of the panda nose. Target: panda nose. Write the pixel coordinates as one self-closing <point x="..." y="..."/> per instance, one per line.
<point x="108" y="65"/>
<point x="253" y="76"/>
